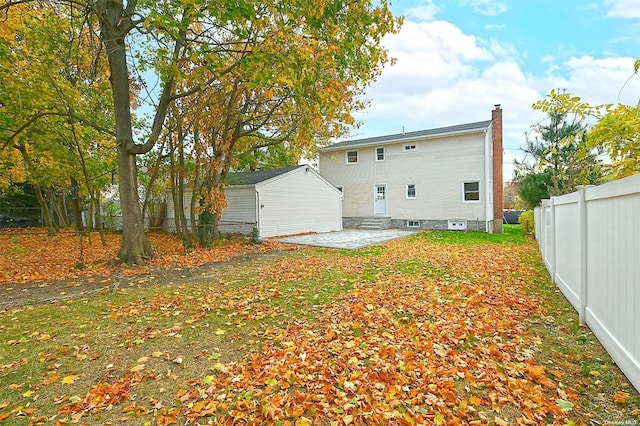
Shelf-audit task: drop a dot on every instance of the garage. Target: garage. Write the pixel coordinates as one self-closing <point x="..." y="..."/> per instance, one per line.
<point x="286" y="201"/>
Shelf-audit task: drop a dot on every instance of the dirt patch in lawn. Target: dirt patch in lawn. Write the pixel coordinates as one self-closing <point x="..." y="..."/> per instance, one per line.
<point x="36" y="267"/>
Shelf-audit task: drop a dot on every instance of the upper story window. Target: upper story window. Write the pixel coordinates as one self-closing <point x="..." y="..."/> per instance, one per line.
<point x="380" y="154"/>
<point x="352" y="157"/>
<point x="411" y="191"/>
<point x="471" y="191"/>
<point x="409" y="147"/>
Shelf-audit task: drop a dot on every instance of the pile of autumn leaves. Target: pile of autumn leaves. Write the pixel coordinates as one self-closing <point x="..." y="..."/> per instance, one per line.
<point x="429" y="334"/>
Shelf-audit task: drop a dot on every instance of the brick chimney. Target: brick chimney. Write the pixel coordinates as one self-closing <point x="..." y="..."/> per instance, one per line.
<point x="496" y="117"/>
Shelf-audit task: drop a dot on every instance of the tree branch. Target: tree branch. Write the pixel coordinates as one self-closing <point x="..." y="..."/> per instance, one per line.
<point x="41" y="114"/>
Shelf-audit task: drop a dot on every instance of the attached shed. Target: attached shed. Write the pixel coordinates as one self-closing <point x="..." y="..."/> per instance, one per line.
<point x="285" y="201"/>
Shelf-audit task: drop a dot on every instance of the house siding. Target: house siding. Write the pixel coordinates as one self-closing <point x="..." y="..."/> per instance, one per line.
<point x="240" y="213"/>
<point x="170" y="222"/>
<point x="438" y="168"/>
<point x="297" y="202"/>
<point x="238" y="216"/>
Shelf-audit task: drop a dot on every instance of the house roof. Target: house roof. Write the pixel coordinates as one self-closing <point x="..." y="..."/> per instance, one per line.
<point x="398" y="137"/>
<point x="252" y="178"/>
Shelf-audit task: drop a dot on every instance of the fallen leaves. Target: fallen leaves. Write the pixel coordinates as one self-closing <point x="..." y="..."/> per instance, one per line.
<point x="137" y="368"/>
<point x="69" y="380"/>
<point x="620" y="397"/>
<point x="397" y="349"/>
<point x="103" y="395"/>
<point x="32" y="255"/>
<point x="407" y="334"/>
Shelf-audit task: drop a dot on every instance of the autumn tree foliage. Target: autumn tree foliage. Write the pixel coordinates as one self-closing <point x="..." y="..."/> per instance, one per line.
<point x="54" y="109"/>
<point x="265" y="72"/>
<point x="291" y="80"/>
<point x="618" y="134"/>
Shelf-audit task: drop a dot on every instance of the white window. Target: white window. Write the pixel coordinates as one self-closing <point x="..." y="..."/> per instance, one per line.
<point x="352" y="157"/>
<point x="380" y="154"/>
<point x="411" y="191"/>
<point x="409" y="147"/>
<point x="471" y="191"/>
<point x="413" y="224"/>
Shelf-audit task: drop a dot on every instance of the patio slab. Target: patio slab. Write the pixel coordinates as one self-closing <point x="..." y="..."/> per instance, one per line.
<point x="350" y="239"/>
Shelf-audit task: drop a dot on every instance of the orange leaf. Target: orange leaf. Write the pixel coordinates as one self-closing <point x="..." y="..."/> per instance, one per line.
<point x="620" y="397"/>
<point x="475" y="400"/>
<point x="558" y="373"/>
<point x="535" y="371"/>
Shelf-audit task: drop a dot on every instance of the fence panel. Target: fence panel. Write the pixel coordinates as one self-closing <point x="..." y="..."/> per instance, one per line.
<point x="590" y="243"/>
<point x="567" y="247"/>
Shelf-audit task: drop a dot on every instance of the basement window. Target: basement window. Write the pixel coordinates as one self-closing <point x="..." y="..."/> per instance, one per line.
<point x="413" y="224"/>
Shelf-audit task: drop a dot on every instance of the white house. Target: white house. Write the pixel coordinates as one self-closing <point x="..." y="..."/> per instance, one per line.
<point x="286" y="201"/>
<point x="444" y="178"/>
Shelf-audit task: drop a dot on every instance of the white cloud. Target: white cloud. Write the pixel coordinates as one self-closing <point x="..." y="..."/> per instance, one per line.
<point x="487" y="7"/>
<point x="425" y="11"/>
<point x="623" y="8"/>
<point x="597" y="80"/>
<point x="445" y="77"/>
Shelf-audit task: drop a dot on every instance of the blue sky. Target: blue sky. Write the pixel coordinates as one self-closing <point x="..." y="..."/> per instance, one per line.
<point x="457" y="58"/>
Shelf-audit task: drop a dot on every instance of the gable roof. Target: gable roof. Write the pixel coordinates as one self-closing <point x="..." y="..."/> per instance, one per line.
<point x="252" y="178"/>
<point x="398" y="137"/>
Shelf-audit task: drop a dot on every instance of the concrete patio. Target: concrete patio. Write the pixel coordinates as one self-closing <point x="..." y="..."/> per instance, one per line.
<point x="350" y="239"/>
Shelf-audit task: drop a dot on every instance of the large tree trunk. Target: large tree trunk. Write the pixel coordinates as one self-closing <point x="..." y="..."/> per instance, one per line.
<point x="116" y="23"/>
<point x="135" y="246"/>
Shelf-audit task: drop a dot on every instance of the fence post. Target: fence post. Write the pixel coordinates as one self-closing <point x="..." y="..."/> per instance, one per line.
<point x="582" y="208"/>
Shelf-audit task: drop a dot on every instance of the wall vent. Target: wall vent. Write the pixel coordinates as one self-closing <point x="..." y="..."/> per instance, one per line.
<point x="457" y="225"/>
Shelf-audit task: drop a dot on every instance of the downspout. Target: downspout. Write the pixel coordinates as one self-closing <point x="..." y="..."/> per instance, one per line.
<point x="258" y="212"/>
<point x="340" y="202"/>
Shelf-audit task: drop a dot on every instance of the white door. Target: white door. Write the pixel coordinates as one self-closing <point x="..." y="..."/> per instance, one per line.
<point x="380" y="200"/>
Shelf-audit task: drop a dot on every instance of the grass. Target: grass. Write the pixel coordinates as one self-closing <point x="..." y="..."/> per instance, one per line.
<point x="512" y="234"/>
<point x="148" y="345"/>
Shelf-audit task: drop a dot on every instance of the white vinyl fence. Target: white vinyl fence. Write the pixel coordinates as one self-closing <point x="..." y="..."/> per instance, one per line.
<point x="590" y="244"/>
